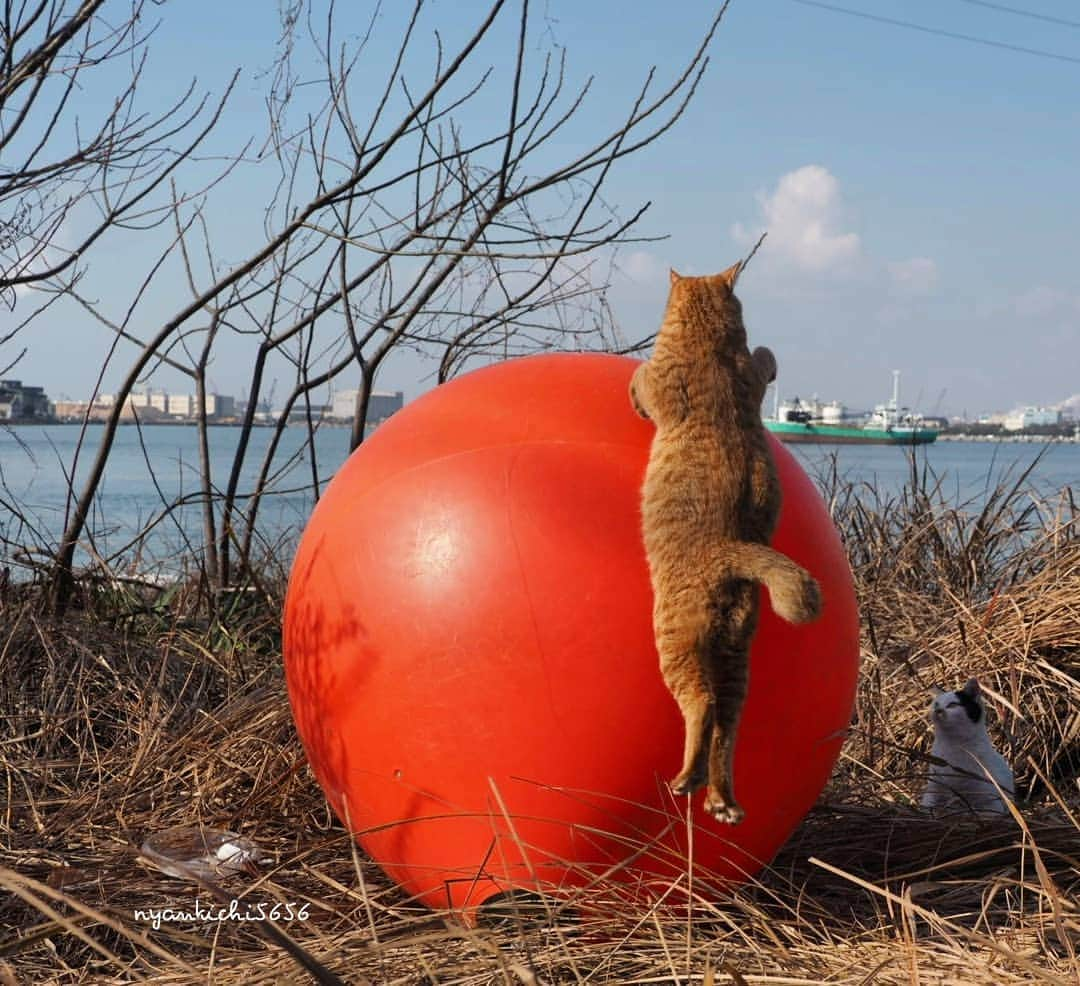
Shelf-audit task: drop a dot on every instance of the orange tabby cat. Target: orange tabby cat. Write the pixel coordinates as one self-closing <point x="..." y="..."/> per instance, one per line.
<point x="709" y="505"/>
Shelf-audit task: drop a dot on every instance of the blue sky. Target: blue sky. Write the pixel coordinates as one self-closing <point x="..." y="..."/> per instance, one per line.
<point x="919" y="191"/>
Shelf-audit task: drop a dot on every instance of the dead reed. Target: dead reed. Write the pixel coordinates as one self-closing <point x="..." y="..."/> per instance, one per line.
<point x="139" y="713"/>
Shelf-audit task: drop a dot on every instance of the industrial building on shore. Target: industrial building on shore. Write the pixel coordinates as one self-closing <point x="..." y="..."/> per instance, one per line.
<point x="19" y="402"/>
<point x="148" y="406"/>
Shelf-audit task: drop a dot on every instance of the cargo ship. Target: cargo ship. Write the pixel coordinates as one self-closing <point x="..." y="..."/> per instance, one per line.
<point x="812" y="422"/>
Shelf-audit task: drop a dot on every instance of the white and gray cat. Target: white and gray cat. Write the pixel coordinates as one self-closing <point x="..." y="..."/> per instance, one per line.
<point x="961" y="740"/>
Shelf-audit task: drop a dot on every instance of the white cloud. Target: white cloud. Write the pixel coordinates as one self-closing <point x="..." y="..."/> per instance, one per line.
<point x="641" y="267"/>
<point x="915" y="276"/>
<point x="803" y="217"/>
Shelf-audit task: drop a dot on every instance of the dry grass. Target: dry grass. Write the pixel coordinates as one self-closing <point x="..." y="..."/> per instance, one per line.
<point x="129" y="718"/>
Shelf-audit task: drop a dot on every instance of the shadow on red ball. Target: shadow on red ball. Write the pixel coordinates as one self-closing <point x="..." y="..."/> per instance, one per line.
<point x="469" y="653"/>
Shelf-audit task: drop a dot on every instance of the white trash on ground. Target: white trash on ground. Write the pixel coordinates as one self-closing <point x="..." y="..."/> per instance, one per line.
<point x="200" y="851"/>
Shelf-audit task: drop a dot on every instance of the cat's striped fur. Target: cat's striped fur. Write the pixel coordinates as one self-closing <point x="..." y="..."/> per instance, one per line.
<point x="709" y="505"/>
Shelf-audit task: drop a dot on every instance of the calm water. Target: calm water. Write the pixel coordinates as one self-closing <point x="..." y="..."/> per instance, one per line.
<point x="147" y="473"/>
<point x="35" y="463"/>
<point x="967" y="470"/>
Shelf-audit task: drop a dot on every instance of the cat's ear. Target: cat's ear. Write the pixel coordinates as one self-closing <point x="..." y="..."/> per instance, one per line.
<point x="674" y="275"/>
<point x="937" y="691"/>
<point x="765" y="362"/>
<point x="731" y="275"/>
<point x="972" y="688"/>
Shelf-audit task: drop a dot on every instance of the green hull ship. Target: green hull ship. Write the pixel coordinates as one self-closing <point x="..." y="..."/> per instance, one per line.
<point x="887" y="424"/>
<point x="822" y="433"/>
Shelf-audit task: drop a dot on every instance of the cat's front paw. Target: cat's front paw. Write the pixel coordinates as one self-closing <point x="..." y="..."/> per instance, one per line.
<point x="724" y="812"/>
<point x="638" y="389"/>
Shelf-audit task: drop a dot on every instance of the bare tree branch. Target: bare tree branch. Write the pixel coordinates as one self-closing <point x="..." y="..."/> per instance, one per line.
<point x="398" y="218"/>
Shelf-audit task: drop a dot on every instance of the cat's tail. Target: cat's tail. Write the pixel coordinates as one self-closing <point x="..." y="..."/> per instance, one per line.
<point x="793" y="591"/>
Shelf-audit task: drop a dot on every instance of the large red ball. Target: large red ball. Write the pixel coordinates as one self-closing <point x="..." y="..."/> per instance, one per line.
<point x="470" y="660"/>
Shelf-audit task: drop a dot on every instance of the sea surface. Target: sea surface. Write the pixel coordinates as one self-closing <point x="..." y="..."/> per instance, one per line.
<point x="149" y="470"/>
<point x="965" y="471"/>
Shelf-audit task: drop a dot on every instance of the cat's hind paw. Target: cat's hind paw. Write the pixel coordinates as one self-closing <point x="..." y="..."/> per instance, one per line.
<point x="723" y="812"/>
<point x="686" y="783"/>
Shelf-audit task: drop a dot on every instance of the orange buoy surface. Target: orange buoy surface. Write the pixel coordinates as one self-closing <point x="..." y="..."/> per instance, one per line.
<point x="469" y="653"/>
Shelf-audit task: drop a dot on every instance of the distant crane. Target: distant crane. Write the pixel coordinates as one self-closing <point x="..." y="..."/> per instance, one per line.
<point x="267" y="404"/>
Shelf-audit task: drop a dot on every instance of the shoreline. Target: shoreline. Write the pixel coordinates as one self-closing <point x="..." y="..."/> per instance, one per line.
<point x="328" y="423"/>
<point x="182" y="423"/>
<point x="52" y="422"/>
<point x="1011" y="439"/>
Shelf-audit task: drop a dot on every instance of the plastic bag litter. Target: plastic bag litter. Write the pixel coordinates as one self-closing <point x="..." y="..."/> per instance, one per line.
<point x="204" y="852"/>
